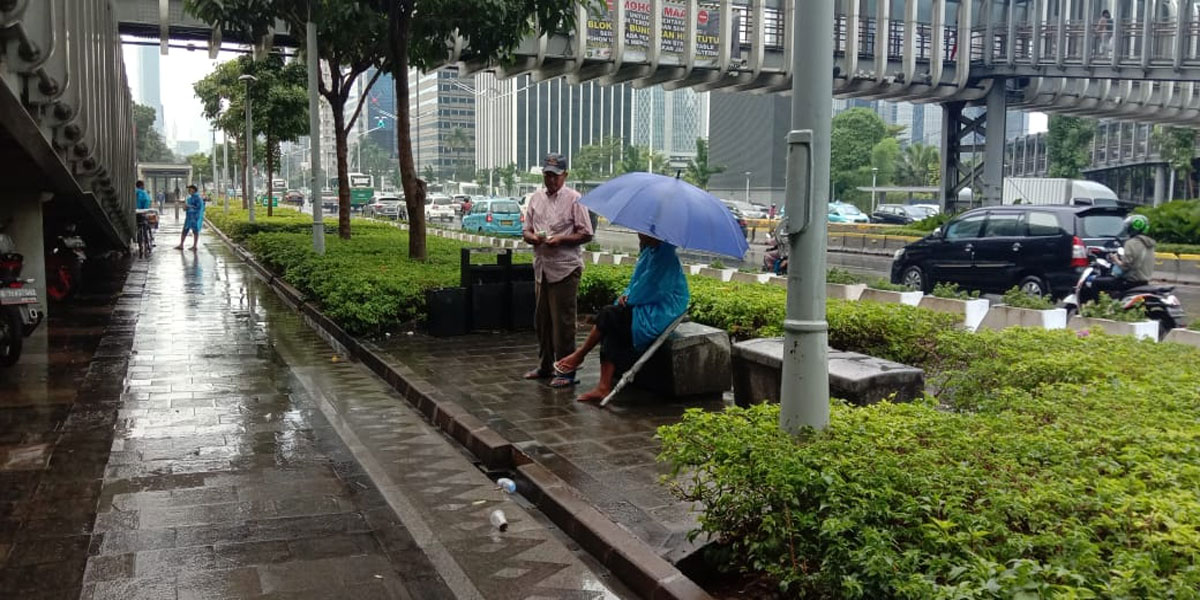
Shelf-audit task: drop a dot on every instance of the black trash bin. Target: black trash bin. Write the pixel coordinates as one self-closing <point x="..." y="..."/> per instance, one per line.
<point x="447" y="311"/>
<point x="500" y="295"/>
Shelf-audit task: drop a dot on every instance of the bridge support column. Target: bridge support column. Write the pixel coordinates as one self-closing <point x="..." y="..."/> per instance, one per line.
<point x="995" y="129"/>
<point x="21" y="219"/>
<point x="1160" y="184"/>
<point x="960" y="169"/>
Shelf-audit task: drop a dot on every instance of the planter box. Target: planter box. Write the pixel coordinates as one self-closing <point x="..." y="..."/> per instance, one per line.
<point x="972" y="311"/>
<point x="750" y="277"/>
<point x="722" y="274"/>
<point x="874" y="295"/>
<point x="1184" y="336"/>
<point x="779" y="281"/>
<point x="604" y="258"/>
<point x="1002" y="317"/>
<point x="1142" y="330"/>
<point x="627" y="260"/>
<point x="591" y="256"/>
<point x="856" y="378"/>
<point x="841" y="291"/>
<point x="692" y="269"/>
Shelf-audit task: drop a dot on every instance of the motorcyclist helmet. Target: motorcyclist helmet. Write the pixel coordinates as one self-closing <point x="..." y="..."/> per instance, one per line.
<point x="1137" y="224"/>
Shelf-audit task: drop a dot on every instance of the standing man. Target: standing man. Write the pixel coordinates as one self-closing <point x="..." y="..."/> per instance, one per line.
<point x="143" y="197"/>
<point x="557" y="226"/>
<point x="195" y="215"/>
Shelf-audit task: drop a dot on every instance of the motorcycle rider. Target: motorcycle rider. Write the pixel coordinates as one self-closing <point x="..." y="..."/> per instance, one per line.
<point x="1136" y="264"/>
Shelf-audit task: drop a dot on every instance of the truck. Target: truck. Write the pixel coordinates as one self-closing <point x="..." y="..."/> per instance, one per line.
<point x="1044" y="190"/>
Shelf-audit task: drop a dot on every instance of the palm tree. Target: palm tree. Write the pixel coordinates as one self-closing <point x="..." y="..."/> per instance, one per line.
<point x="699" y="171"/>
<point x="458" y="141"/>
<point x="918" y="164"/>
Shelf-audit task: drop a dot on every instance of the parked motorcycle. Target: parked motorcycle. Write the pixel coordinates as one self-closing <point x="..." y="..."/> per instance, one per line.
<point x="775" y="258"/>
<point x="64" y="265"/>
<point x="1159" y="301"/>
<point x="19" y="310"/>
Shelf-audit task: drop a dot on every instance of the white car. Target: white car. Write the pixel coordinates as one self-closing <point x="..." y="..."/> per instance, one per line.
<point x="750" y="211"/>
<point x="439" y="208"/>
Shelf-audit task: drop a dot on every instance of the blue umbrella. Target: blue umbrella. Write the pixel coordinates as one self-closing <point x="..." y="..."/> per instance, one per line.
<point x="671" y="210"/>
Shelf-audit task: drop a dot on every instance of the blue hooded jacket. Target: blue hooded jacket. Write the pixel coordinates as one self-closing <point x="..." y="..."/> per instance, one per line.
<point x="658" y="293"/>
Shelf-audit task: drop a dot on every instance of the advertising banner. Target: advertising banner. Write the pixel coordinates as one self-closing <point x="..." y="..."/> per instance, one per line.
<point x="637" y="31"/>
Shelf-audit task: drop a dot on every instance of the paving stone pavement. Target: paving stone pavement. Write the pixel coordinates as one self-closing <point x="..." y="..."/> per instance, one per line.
<point x="244" y="459"/>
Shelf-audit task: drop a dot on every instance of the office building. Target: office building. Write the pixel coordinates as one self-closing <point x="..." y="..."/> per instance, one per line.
<point x="519" y="121"/>
<point x="380" y="111"/>
<point x="441" y="102"/>
<point x="670" y="121"/>
<point x="149" y="86"/>
<point x="746" y="136"/>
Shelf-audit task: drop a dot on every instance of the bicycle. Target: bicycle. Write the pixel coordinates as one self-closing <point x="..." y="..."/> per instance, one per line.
<point x="145" y="233"/>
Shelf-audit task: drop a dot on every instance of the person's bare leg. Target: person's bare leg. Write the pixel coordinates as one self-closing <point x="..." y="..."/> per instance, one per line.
<point x="182" y="239"/>
<point x="572" y="361"/>
<point x="195" y="239"/>
<point x="604" y="386"/>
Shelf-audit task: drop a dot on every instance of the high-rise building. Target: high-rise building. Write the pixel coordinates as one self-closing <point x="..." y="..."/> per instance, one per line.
<point x="380" y="111"/>
<point x="519" y="121"/>
<point x="441" y="102"/>
<point x="150" y="91"/>
<point x="746" y="136"/>
<point x="669" y="121"/>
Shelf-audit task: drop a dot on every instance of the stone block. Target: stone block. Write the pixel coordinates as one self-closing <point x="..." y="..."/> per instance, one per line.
<point x="626" y="259"/>
<point x="856" y="378"/>
<point x="693" y="361"/>
<point x="1142" y="330"/>
<point x="1183" y="336"/>
<point x="779" y="280"/>
<point x="750" y="277"/>
<point x="693" y="269"/>
<point x="874" y="295"/>
<point x="972" y="311"/>
<point x="1003" y="317"/>
<point x="606" y="259"/>
<point x="840" y="291"/>
<point x="721" y="274"/>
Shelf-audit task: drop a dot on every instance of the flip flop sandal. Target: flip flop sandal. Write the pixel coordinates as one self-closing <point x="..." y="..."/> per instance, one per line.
<point x="535" y="374"/>
<point x="562" y="381"/>
<point x="558" y="371"/>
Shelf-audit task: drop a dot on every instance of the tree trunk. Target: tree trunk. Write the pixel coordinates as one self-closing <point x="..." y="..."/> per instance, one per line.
<point x="400" y="24"/>
<point x="343" y="170"/>
<point x="270" y="178"/>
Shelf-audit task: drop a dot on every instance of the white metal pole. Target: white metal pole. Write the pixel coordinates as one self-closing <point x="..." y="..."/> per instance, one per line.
<point x="314" y="137"/>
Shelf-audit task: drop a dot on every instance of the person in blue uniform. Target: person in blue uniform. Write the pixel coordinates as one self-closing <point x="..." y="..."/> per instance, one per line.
<point x="143" y="197"/>
<point x="657" y="294"/>
<point x="193" y="218"/>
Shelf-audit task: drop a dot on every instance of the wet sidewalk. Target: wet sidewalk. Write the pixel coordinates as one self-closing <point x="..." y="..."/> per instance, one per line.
<point x="235" y="455"/>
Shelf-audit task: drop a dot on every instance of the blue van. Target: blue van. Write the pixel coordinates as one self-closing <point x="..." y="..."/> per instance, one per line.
<point x="494" y="216"/>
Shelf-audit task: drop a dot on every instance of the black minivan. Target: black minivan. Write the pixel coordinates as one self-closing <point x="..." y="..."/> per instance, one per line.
<point x="1042" y="249"/>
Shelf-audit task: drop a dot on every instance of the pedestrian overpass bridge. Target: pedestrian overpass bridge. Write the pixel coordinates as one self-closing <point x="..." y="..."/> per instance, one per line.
<point x="65" y="103"/>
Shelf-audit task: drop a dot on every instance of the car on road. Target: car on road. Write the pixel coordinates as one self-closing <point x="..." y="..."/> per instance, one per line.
<point x="737" y="214"/>
<point x="1041" y="249"/>
<point x="494" y="216"/>
<point x="842" y="212"/>
<point x="898" y="214"/>
<point x="749" y="210"/>
<point x="329" y="205"/>
<point x="387" y="207"/>
<point x="440" y="207"/>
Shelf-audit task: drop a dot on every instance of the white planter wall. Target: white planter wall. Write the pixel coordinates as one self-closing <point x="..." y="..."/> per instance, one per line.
<point x="1002" y="317"/>
<point x="972" y="311"/>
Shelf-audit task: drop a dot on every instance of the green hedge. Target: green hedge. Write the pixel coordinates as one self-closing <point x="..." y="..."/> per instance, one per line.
<point x="1054" y="466"/>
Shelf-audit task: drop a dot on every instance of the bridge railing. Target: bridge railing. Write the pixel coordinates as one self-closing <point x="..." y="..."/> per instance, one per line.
<point x="897" y="39"/>
<point x="63" y="62"/>
<point x="1040" y="43"/>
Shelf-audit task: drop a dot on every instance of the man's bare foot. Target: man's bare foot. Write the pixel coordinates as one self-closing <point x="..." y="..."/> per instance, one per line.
<point x="193" y="248"/>
<point x="595" y="395"/>
<point x="179" y="247"/>
<point x="567" y="365"/>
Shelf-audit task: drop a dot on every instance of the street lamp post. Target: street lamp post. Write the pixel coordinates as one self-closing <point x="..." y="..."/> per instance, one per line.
<point x="874" y="178"/>
<point x="314" y="134"/>
<point x="225" y="168"/>
<point x="748" y="187"/>
<point x="248" y="193"/>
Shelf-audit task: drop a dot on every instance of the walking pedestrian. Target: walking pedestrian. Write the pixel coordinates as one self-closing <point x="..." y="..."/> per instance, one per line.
<point x="143" y="197"/>
<point x="557" y="225"/>
<point x="193" y="219"/>
<point x="1104" y="32"/>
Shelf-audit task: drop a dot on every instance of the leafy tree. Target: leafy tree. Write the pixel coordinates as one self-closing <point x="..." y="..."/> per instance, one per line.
<point x="376" y="160"/>
<point x="150" y="144"/>
<point x="430" y="176"/>
<point x="508" y="175"/>
<point x="1067" y="144"/>
<point x="885" y="157"/>
<point x="419" y="33"/>
<point x="481" y="178"/>
<point x="699" y="170"/>
<point x="201" y="168"/>
<point x="920" y="165"/>
<point x="855" y="134"/>
<point x="640" y="158"/>
<point x="278" y="101"/>
<point x="352" y="38"/>
<point x="458" y="141"/>
<point x="1178" y="146"/>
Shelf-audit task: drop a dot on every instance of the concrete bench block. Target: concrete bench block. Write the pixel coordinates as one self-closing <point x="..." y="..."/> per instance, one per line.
<point x="1002" y="317"/>
<point x="721" y="274"/>
<point x="874" y="295"/>
<point x="750" y="277"/>
<point x="1183" y="336"/>
<point x="1142" y="330"/>
<point x="856" y="378"/>
<point x="605" y="258"/>
<point x="626" y="259"/>
<point x="972" y="311"/>
<point x="842" y="291"/>
<point x="590" y="256"/>
<point x="693" y="361"/>
<point x="779" y="280"/>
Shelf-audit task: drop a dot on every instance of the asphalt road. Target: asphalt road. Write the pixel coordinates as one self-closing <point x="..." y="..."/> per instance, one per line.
<point x="869" y="265"/>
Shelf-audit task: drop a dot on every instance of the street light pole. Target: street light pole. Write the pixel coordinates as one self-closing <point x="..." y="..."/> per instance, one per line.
<point x="747" y="187"/>
<point x="225" y="164"/>
<point x="314" y="135"/>
<point x="804" y="394"/>
<point x="874" y="176"/>
<point x="248" y="193"/>
<point x="213" y="156"/>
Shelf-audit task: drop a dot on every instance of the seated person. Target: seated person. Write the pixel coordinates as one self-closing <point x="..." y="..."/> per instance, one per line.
<point x="657" y="294"/>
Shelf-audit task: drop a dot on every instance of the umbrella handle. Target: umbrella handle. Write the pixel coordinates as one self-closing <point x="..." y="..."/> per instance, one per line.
<point x="796" y="205"/>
